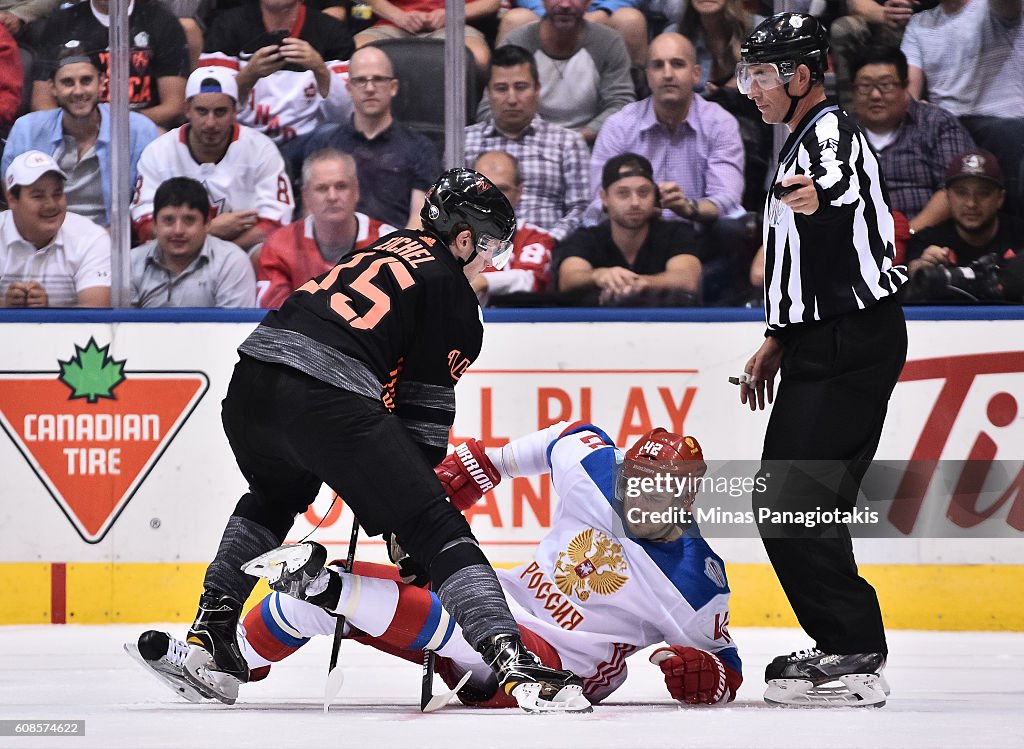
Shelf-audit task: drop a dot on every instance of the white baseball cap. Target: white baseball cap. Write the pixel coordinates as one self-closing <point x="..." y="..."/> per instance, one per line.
<point x="30" y="166"/>
<point x="213" y="79"/>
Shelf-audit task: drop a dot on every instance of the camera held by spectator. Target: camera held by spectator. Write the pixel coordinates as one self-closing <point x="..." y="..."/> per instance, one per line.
<point x="977" y="282"/>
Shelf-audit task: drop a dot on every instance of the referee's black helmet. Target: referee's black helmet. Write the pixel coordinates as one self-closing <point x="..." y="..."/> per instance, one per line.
<point x="789" y="36"/>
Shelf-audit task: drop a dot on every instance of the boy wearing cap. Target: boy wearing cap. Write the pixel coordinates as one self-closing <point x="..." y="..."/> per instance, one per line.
<point x="974" y="183"/>
<point x="49" y="257"/>
<point x="633" y="257"/>
<point x="241" y="169"/>
<point x="77" y="135"/>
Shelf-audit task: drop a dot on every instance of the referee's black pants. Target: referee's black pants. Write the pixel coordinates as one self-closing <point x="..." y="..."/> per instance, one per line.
<point x="837" y="376"/>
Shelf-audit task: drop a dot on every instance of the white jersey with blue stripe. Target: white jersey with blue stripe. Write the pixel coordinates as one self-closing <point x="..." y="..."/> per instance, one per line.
<point x="597" y="596"/>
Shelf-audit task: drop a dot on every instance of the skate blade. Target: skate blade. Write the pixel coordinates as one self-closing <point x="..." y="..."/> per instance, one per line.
<point x="199" y="672"/>
<point x="850" y="690"/>
<point x="440" y="700"/>
<point x="177" y="684"/>
<point x="569" y="699"/>
<point x="272" y="565"/>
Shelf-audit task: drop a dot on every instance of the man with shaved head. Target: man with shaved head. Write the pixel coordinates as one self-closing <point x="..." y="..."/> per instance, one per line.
<point x="695" y="149"/>
<point x="396" y="164"/>
<point x="529" y="270"/>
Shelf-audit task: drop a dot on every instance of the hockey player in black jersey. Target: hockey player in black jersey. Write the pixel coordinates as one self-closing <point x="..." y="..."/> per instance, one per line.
<point x="351" y="383"/>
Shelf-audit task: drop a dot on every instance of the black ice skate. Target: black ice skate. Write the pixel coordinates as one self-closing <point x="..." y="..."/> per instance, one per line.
<point x="214" y="663"/>
<point x="537" y="688"/>
<point x="164" y="657"/>
<point x="298" y="570"/>
<point x="813" y="678"/>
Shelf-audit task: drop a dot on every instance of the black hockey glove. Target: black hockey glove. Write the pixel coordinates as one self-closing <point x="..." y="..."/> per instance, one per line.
<point x="409" y="569"/>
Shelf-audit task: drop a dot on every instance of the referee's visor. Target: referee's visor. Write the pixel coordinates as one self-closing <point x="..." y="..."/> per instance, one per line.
<point x="767" y="75"/>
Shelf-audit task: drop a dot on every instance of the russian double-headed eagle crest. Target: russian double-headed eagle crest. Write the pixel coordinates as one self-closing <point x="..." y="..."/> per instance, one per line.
<point x="593" y="563"/>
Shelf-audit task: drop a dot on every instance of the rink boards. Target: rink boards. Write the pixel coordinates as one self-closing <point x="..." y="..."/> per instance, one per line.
<point x="118" y="480"/>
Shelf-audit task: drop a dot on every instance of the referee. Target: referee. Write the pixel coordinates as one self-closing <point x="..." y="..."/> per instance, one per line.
<point x="836" y="330"/>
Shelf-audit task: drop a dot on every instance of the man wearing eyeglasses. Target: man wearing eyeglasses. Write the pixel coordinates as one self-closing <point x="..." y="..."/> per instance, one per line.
<point x="395" y="164"/>
<point x="914" y="140"/>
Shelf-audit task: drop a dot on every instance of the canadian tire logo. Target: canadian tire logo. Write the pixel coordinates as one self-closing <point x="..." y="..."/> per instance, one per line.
<point x="93" y="430"/>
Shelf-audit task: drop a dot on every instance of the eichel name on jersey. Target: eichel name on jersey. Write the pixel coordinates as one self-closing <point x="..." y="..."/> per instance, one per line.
<point x="396" y="321"/>
<point x="291" y="255"/>
<point x="848" y="263"/>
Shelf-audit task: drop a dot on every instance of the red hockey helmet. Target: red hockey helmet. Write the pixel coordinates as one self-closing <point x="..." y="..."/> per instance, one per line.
<point x="661" y="444"/>
<point x="657" y="475"/>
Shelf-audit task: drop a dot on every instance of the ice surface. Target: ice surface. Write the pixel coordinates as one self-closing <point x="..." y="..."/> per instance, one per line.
<point x="949" y="690"/>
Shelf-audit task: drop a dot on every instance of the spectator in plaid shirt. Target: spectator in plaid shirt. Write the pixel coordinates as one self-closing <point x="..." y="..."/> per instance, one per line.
<point x="553" y="160"/>
<point x="914" y="140"/>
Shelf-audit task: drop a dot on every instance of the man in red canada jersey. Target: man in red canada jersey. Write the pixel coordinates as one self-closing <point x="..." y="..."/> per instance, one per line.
<point x="315" y="244"/>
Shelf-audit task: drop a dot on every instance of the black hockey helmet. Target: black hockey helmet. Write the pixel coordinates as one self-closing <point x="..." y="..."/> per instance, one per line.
<point x="788" y="37"/>
<point x="463" y="198"/>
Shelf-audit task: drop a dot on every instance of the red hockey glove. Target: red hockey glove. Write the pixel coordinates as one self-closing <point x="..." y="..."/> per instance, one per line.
<point x="467" y="474"/>
<point x="696" y="677"/>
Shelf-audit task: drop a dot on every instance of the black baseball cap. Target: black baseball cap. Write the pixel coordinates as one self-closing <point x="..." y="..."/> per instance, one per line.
<point x="626" y="165"/>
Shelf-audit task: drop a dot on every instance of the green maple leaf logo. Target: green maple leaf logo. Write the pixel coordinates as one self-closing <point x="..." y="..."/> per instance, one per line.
<point x="90" y="373"/>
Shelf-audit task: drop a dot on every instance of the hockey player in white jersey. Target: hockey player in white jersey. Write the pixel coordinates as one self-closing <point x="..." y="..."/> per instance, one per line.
<point x="621" y="569"/>
<point x="241" y="169"/>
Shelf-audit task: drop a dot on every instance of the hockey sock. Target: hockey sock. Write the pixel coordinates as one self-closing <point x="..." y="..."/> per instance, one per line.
<point x="270" y="632"/>
<point x="416" y="621"/>
<point x="279" y="625"/>
<point x="469" y="589"/>
<point x="243" y="540"/>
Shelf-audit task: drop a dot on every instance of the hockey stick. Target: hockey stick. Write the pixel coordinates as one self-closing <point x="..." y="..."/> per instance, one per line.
<point x="427" y="683"/>
<point x="428" y="701"/>
<point x="335" y="676"/>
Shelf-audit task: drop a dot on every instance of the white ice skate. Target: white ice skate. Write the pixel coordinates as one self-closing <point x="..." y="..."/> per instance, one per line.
<point x="164" y="657"/>
<point x="288" y="569"/>
<point x="568" y="699"/>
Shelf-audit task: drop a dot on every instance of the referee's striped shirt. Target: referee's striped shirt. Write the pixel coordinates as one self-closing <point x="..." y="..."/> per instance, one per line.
<point x="840" y="258"/>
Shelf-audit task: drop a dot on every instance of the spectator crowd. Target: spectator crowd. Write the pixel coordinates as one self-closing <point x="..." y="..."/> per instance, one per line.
<point x="268" y="139"/>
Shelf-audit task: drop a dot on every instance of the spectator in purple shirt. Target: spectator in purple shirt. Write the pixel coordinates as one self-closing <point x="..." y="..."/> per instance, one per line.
<point x="697" y="154"/>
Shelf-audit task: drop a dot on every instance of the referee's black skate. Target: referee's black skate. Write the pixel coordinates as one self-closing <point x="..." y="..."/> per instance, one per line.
<point x="811" y="678"/>
<point x="535" y="687"/>
<point x="214" y="662"/>
<point x="299" y="570"/>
